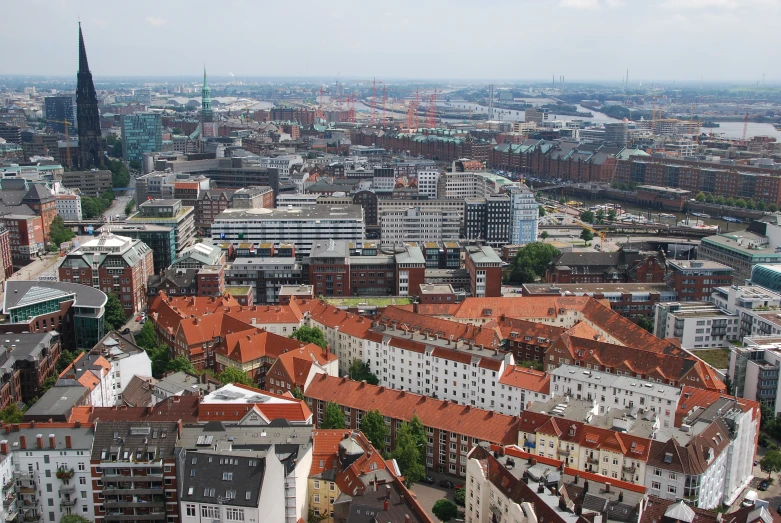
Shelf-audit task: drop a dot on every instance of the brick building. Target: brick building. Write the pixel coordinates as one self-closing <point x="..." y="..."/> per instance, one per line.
<point x="694" y="280"/>
<point x="624" y="265"/>
<point x="485" y="271"/>
<point x="25" y="237"/>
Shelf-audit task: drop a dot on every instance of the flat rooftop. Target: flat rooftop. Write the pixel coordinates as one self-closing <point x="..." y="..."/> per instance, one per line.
<point x="296" y="290"/>
<point x="594" y="288"/>
<point x="436" y="288"/>
<point x="314" y="212"/>
<point x="699" y="265"/>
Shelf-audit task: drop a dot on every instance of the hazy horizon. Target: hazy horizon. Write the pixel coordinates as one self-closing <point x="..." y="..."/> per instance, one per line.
<point x="586" y="41"/>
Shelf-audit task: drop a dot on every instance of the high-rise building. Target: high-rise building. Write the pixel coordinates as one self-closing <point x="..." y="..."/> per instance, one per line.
<point x="616" y="133"/>
<point x="524" y="214"/>
<point x="58" y="109"/>
<point x="141" y="133"/>
<point x="90" y="140"/>
<point x="488" y="219"/>
<point x="168" y="213"/>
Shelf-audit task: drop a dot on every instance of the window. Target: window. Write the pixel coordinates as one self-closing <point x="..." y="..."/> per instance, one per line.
<point x="317" y="484"/>
<point x="210" y="512"/>
<point x="227" y="476"/>
<point x="235" y="514"/>
<point x="191" y="510"/>
<point x="317" y="498"/>
<point x="672" y="489"/>
<point x="656" y="485"/>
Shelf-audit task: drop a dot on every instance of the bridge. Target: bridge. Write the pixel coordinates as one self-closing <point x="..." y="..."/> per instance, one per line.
<point x="82" y="226"/>
<point x="657" y="229"/>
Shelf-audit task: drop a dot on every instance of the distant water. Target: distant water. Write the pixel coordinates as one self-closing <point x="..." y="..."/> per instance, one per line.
<point x="735" y="130"/>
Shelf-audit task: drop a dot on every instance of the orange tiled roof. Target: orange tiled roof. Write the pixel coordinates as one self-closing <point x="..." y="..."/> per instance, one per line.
<point x="488" y="335"/>
<point x="696" y="397"/>
<point x="251" y="345"/>
<point x="529" y="379"/>
<point x="297" y="362"/>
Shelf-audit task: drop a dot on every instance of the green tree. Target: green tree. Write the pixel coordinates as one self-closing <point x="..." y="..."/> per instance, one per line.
<point x="120" y="176"/>
<point x="542" y="211"/>
<point x="586" y="235"/>
<point x="177" y="131"/>
<point x="459" y="496"/>
<point x="645" y="323"/>
<point x="234" y="375"/>
<point x="445" y="510"/>
<point x="709" y="198"/>
<point x="312" y="518"/>
<point x="11" y="414"/>
<point x="47" y="384"/>
<point x="298" y="393"/>
<point x="771" y="462"/>
<point x="333" y="417"/>
<point x="720" y="200"/>
<point x="531" y="261"/>
<point x="408" y="455"/>
<point x="115" y="314"/>
<point x="58" y="233"/>
<point x="130" y="206"/>
<point x="90" y="207"/>
<point x="181" y="364"/>
<point x="772" y="207"/>
<point x="134" y="164"/>
<point x="587" y="216"/>
<point x="374" y="428"/>
<point x="66" y="358"/>
<point x="611" y="215"/>
<point x="544" y="235"/>
<point x="147" y="338"/>
<point x="160" y="359"/>
<point x="730" y="202"/>
<point x="562" y="201"/>
<point x="740" y="203"/>
<point x="73" y="518"/>
<point x="700" y="196"/>
<point x="599" y="216"/>
<point x="751" y="204"/>
<point x="418" y="432"/>
<point x="761" y="206"/>
<point x="310" y="335"/>
<point x="359" y="371"/>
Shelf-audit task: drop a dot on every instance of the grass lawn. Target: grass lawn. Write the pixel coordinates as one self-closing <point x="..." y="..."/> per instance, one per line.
<point x="377" y="302"/>
<point x="717" y="358"/>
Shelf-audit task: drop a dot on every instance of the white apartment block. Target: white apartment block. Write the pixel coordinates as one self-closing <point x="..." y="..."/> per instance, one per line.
<point x="417" y="225"/>
<point x="524" y="215"/>
<point x="283" y="164"/>
<point x="428" y="180"/>
<point x="754" y="370"/>
<point x="696" y="324"/>
<point x="616" y="391"/>
<point x="68" y="206"/>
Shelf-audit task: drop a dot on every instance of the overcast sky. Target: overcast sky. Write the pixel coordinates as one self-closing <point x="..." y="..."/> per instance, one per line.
<point x="658" y="40"/>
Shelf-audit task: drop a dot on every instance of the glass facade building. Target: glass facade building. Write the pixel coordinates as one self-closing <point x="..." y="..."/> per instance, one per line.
<point x="141" y="133"/>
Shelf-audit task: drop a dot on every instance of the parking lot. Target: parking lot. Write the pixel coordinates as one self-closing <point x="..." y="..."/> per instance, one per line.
<point x="427" y="495"/>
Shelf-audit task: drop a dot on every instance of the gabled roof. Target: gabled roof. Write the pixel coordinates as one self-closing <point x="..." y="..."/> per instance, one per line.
<point x="296" y="363"/>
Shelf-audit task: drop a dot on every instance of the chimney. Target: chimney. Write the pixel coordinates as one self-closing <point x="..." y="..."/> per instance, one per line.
<point x="607" y="486"/>
<point x="4" y="446"/>
<point x="385" y="505"/>
<point x="407" y="519"/>
<point x="78" y="424"/>
<point x="68" y="442"/>
<point x="52" y="441"/>
<point x="22" y="441"/>
<point x="39" y="440"/>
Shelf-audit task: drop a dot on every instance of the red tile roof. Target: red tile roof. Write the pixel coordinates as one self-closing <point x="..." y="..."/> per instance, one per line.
<point x="695" y="397"/>
<point x="401" y="405"/>
<point x="175" y="408"/>
<point x="487" y="335"/>
<point x="254" y="344"/>
<point x="528" y="379"/>
<point x="296" y="363"/>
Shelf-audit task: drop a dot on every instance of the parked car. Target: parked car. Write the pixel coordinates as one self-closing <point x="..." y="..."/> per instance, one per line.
<point x="445" y="483"/>
<point x="138" y="319"/>
<point x="126" y="330"/>
<point x="428" y="480"/>
<point x="763" y="485"/>
<point x="778" y="510"/>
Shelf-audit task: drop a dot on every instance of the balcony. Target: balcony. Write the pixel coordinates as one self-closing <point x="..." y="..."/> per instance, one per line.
<point x="67" y="489"/>
<point x="629" y="468"/>
<point x="127" y="490"/>
<point x="9" y="484"/>
<point x="155" y="516"/>
<point x="157" y="503"/>
<point x="9" y="499"/>
<point x="592" y="460"/>
<point x="64" y="474"/>
<point x="68" y="501"/>
<point x="562" y="452"/>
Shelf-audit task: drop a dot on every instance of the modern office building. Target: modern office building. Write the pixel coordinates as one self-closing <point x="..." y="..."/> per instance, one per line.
<point x="419" y="225"/>
<point x="112" y="263"/>
<point x="301" y="227"/>
<point x="89" y="183"/>
<point x="266" y="276"/>
<point x="524" y="214"/>
<point x="58" y="109"/>
<point x="616" y="133"/>
<point x="160" y="238"/>
<point x="741" y="251"/>
<point x="168" y="213"/>
<point x="697" y="324"/>
<point x="141" y="133"/>
<point x="487" y="220"/>
<point x="68" y="206"/>
<point x="767" y="275"/>
<point x="25" y="236"/>
<point x="73" y="311"/>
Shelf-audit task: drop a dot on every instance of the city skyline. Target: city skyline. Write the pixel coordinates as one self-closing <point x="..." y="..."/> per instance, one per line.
<point x="658" y="41"/>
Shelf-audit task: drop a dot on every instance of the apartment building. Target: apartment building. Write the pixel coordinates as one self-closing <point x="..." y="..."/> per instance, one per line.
<point x="302" y="227"/>
<point x="68" y="206"/>
<point x="694" y="280"/>
<point x="697" y="324"/>
<point x="265" y="276"/>
<point x="133" y="468"/>
<point x="112" y="263"/>
<point x="25" y="235"/>
<point x="754" y="370"/>
<point x="418" y="225"/>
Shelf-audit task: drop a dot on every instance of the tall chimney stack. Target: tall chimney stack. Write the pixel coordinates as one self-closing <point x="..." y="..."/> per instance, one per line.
<point x="22" y="441"/>
<point x="39" y="440"/>
<point x="68" y="442"/>
<point x="4" y="446"/>
<point x="52" y="441"/>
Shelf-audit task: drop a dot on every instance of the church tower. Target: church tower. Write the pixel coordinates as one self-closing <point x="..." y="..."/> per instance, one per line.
<point x="206" y="101"/>
<point x="90" y="140"/>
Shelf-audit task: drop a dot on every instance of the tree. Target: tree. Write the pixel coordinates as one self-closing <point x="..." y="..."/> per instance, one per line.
<point x="312" y="518"/>
<point x="542" y="211"/>
<point x="751" y="204"/>
<point x="459" y="496"/>
<point x="58" y="233"/>
<point x="645" y="323"/>
<point x="700" y="196"/>
<point x="586" y="235"/>
<point x="160" y="360"/>
<point x="73" y="518"/>
<point x="374" y="428"/>
<point x="772" y="207"/>
<point x="234" y="375"/>
<point x="147" y="338"/>
<point x="709" y="198"/>
<point x="562" y="201"/>
<point x="720" y="200"/>
<point x="66" y="358"/>
<point x="418" y="432"/>
<point x="587" y="216"/>
<point x="359" y="371"/>
<point x="408" y="455"/>
<point x="740" y="203"/>
<point x="611" y="215"/>
<point x="771" y="462"/>
<point x="181" y="364"/>
<point x="600" y="216"/>
<point x="544" y="235"/>
<point x="90" y="208"/>
<point x="310" y="335"/>
<point x="130" y="206"/>
<point x="177" y="131"/>
<point x="298" y="393"/>
<point x="333" y="418"/>
<point x="730" y="202"/>
<point x="761" y="206"/>
<point x="47" y="384"/>
<point x="115" y="314"/>
<point x="445" y="510"/>
<point x="531" y="261"/>
<point x="120" y="176"/>
<point x="134" y="164"/>
<point x="11" y="414"/>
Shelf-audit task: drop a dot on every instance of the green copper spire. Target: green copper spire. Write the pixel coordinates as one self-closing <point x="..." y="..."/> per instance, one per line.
<point x="206" y="100"/>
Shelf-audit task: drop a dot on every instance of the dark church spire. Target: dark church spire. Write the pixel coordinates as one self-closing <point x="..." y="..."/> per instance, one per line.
<point x="90" y="140"/>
